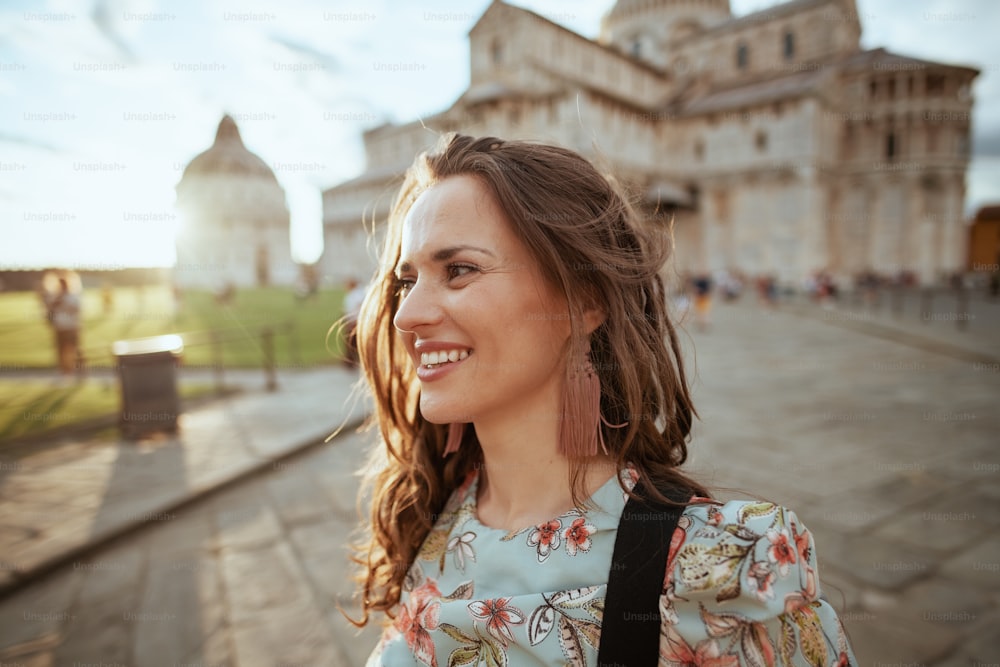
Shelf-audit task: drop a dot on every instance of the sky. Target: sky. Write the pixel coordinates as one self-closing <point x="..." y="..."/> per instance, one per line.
<point x="103" y="104"/>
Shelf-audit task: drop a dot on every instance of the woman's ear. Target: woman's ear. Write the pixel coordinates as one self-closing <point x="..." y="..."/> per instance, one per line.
<point x="593" y="318"/>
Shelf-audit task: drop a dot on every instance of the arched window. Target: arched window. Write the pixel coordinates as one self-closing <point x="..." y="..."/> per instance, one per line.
<point x="789" y="45"/>
<point x="760" y="140"/>
<point x="497" y="51"/>
<point x="742" y="56"/>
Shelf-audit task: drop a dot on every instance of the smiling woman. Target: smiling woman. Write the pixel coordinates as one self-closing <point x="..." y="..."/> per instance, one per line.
<point x="534" y="414"/>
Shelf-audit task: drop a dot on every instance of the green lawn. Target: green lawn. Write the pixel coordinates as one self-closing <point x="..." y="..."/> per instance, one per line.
<point x="26" y="341"/>
<point x="33" y="406"/>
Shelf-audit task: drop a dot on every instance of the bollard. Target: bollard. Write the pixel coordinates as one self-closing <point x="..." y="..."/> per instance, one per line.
<point x="216" y="344"/>
<point x="267" y="347"/>
<point x="926" y="304"/>
<point x="897" y="301"/>
<point x="961" y="308"/>
<point x="294" y="344"/>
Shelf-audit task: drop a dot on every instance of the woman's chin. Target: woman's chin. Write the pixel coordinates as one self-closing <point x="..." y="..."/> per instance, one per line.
<point x="440" y="414"/>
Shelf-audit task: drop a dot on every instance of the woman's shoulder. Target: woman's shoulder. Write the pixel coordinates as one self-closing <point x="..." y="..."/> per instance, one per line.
<point x="729" y="516"/>
<point x="748" y="568"/>
<point x="743" y="544"/>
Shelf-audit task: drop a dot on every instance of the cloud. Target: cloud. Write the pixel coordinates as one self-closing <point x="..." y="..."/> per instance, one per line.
<point x="105" y="17"/>
<point x="987" y="143"/>
<point x="329" y="62"/>
<point x="28" y="142"/>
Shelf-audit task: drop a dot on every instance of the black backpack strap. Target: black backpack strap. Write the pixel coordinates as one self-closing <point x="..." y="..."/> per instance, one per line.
<point x="631" y="625"/>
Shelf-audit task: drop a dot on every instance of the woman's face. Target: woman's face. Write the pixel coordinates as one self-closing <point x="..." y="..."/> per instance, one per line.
<point x="483" y="328"/>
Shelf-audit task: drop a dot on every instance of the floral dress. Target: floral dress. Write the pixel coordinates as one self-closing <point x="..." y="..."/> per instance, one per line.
<point x="741" y="588"/>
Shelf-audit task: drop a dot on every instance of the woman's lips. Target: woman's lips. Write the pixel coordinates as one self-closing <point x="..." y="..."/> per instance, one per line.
<point x="435" y="365"/>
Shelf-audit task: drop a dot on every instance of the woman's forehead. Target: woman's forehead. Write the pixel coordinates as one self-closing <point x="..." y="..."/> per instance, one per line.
<point x="458" y="208"/>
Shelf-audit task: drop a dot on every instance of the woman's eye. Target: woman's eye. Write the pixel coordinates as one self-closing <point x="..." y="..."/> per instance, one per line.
<point x="403" y="287"/>
<point x="459" y="270"/>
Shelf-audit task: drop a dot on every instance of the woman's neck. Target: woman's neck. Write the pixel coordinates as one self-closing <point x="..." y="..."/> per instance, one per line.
<point x="524" y="479"/>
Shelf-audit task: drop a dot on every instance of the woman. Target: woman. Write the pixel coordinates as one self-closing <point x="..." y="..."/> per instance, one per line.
<point x="526" y="379"/>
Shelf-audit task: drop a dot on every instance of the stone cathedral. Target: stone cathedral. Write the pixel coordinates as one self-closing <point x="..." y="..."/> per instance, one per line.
<point x="772" y="140"/>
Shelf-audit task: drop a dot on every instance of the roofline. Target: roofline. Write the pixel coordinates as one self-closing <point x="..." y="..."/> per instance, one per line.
<point x="927" y="64"/>
<point x="591" y="42"/>
<point x="759" y="16"/>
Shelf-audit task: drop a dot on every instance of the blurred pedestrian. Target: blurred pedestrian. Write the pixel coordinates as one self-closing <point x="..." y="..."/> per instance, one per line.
<point x="107" y="299"/>
<point x="353" y="298"/>
<point x="63" y="313"/>
<point x="702" y="288"/>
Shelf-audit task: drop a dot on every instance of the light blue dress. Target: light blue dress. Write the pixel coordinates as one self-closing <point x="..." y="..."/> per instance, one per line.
<point x="740" y="588"/>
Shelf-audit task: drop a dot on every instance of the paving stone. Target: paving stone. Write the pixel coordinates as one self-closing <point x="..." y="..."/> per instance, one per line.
<point x="983" y="644"/>
<point x="184" y="604"/>
<point x="98" y="632"/>
<point x="262" y="583"/>
<point x="293" y="637"/>
<point x="906" y="484"/>
<point x="843" y="592"/>
<point x="112" y="574"/>
<point x="979" y="565"/>
<point x="356" y="643"/>
<point x="244" y="521"/>
<point x="881" y="642"/>
<point x="189" y="531"/>
<point x="217" y="651"/>
<point x="878" y="562"/>
<point x="39" y="611"/>
<point x="940" y="526"/>
<point x="322" y="549"/>
<point x="40" y="658"/>
<point x="297" y="497"/>
<point x="944" y="603"/>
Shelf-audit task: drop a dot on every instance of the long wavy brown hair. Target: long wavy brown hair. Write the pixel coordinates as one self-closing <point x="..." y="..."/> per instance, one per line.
<point x="590" y="246"/>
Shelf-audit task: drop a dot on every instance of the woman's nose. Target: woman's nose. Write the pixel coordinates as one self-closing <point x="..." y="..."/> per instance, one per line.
<point x="419" y="307"/>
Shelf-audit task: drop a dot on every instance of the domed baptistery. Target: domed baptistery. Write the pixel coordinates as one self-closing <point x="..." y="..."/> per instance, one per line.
<point x="234" y="219"/>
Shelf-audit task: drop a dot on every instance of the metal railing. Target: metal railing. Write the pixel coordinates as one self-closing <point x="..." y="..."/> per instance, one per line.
<point x="216" y="339"/>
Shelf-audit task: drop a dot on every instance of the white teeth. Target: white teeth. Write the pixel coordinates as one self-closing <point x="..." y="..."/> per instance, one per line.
<point x="442" y="356"/>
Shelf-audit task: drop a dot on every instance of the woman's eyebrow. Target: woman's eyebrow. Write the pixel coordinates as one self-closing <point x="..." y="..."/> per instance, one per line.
<point x="444" y="254"/>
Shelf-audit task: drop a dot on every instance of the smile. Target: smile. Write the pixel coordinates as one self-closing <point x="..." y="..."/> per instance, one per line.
<point x="439" y="358"/>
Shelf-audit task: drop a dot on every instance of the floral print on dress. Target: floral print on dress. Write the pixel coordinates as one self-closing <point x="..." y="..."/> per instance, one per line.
<point x="417" y="618"/>
<point x="461" y="547"/>
<point x="499" y="616"/>
<point x="572" y="631"/>
<point x="741" y="588"/>
<point x="545" y="538"/>
<point x="750" y="580"/>
<point x="578" y="536"/>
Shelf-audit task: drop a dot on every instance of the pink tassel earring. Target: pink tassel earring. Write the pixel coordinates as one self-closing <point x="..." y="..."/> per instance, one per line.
<point x="580" y="434"/>
<point x="455" y="433"/>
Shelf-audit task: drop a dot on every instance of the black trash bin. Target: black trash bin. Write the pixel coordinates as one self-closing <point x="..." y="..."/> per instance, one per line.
<point x="147" y="370"/>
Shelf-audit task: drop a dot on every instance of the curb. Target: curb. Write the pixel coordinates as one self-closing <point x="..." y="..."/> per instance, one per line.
<point x="889" y="333"/>
<point x="194" y="495"/>
<point x="88" y="427"/>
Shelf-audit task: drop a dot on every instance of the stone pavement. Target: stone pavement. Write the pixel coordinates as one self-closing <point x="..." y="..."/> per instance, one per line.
<point x="936" y="320"/>
<point x="887" y="452"/>
<point x="59" y="499"/>
<point x="252" y="576"/>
